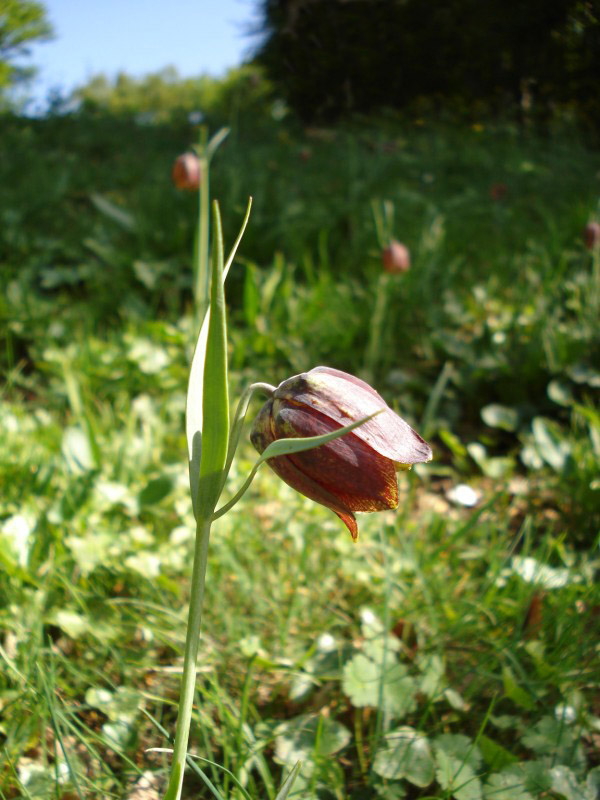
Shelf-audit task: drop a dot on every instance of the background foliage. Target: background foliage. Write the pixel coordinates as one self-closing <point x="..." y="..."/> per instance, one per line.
<point x="331" y="57"/>
<point x="454" y="651"/>
<point x="21" y="22"/>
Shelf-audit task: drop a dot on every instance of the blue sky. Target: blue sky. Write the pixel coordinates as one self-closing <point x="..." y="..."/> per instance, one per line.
<point x="140" y="36"/>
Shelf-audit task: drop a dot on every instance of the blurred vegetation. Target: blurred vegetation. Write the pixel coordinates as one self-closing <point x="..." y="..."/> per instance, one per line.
<point x="332" y="57"/>
<point x="165" y="96"/>
<point x="21" y="22"/>
<point x="464" y="629"/>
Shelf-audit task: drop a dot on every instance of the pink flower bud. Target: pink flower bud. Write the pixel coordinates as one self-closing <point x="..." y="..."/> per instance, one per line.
<point x="186" y="172"/>
<point x="591" y="235"/>
<point x="356" y="472"/>
<point x="396" y="257"/>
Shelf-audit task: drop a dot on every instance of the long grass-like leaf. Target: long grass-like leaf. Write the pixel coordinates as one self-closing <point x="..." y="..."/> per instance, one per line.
<point x="286" y="786"/>
<point x="215" y="397"/>
<point x="194" y="405"/>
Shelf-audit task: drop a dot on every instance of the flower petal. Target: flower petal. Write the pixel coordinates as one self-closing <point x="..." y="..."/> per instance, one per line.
<point x="294" y="477"/>
<point x="262" y="435"/>
<point x="347" y="468"/>
<point x="345" y="399"/>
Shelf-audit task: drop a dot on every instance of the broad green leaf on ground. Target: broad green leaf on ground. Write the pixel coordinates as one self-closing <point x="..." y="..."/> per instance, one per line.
<point x="144" y="563"/>
<point x="460" y="747"/>
<point x="73" y="624"/>
<point x="491" y="466"/>
<point x="592" y="783"/>
<point x="122" y="705"/>
<point x="155" y="491"/>
<point x="495" y="755"/>
<point x="16" y="538"/>
<point x="367" y="683"/>
<point x="77" y="451"/>
<point x="515" y="692"/>
<point x="497" y="416"/>
<point x="118" y="734"/>
<point x="456" y="776"/>
<point x="552" y="447"/>
<point x="560" y="393"/>
<point x="389" y="791"/>
<point x="91" y="550"/>
<point x="432" y="682"/>
<point x="504" y="786"/>
<point x="534" y="776"/>
<point x="555" y="739"/>
<point x="361" y="681"/>
<point x="405" y="754"/>
<point x="566" y="784"/>
<point x="533" y="571"/>
<point x="309" y="736"/>
<point x="149" y="357"/>
<point x="378" y="642"/>
<point x="399" y="691"/>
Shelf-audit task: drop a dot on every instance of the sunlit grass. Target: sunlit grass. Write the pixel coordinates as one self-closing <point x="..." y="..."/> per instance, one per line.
<point x="485" y="617"/>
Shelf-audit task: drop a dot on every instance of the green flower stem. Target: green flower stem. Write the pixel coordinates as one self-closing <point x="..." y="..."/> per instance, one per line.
<point x="240" y="416"/>
<point x="378" y="318"/>
<point x="206" y="481"/>
<point x="201" y="266"/>
<point x="188" y="679"/>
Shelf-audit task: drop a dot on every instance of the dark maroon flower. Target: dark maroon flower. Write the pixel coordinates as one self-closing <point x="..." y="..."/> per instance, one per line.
<point x="591" y="235"/>
<point x="498" y="191"/>
<point x="356" y="472"/>
<point x="396" y="257"/>
<point x="187" y="173"/>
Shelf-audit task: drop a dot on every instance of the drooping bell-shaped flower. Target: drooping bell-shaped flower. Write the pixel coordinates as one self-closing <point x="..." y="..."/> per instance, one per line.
<point x="187" y="172"/>
<point x="396" y="257"/>
<point x="591" y="234"/>
<point x="357" y="471"/>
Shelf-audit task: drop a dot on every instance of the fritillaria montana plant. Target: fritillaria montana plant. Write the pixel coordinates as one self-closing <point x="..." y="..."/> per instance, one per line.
<point x="298" y="433"/>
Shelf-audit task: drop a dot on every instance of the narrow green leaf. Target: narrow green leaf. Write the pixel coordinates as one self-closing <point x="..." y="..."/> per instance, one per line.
<point x="215" y="400"/>
<point x="286" y="786"/>
<point x="216" y="141"/>
<point x="124" y="218"/>
<point x="283" y="447"/>
<point x="194" y="406"/>
<point x="405" y="754"/>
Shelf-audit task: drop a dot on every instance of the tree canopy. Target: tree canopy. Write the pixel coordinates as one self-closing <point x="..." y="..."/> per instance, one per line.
<point x="330" y="57"/>
<point x="21" y="23"/>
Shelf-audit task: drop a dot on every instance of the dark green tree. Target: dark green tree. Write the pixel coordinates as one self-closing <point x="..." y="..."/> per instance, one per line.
<point x="332" y="56"/>
<point x="21" y="23"/>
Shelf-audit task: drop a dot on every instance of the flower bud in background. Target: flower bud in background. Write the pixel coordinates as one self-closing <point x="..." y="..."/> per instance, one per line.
<point x="396" y="257"/>
<point x="591" y="235"/>
<point x="498" y="191"/>
<point x="357" y="471"/>
<point x="186" y="172"/>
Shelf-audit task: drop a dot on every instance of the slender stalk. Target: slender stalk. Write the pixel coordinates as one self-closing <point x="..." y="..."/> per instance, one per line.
<point x="374" y="346"/>
<point x="188" y="679"/>
<point x="202" y="277"/>
<point x="240" y="416"/>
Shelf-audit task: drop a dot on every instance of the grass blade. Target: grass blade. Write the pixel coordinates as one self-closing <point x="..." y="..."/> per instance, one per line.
<point x="286" y="786"/>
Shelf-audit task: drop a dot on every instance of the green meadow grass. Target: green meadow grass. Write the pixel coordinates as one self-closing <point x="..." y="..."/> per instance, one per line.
<point x="452" y="652"/>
